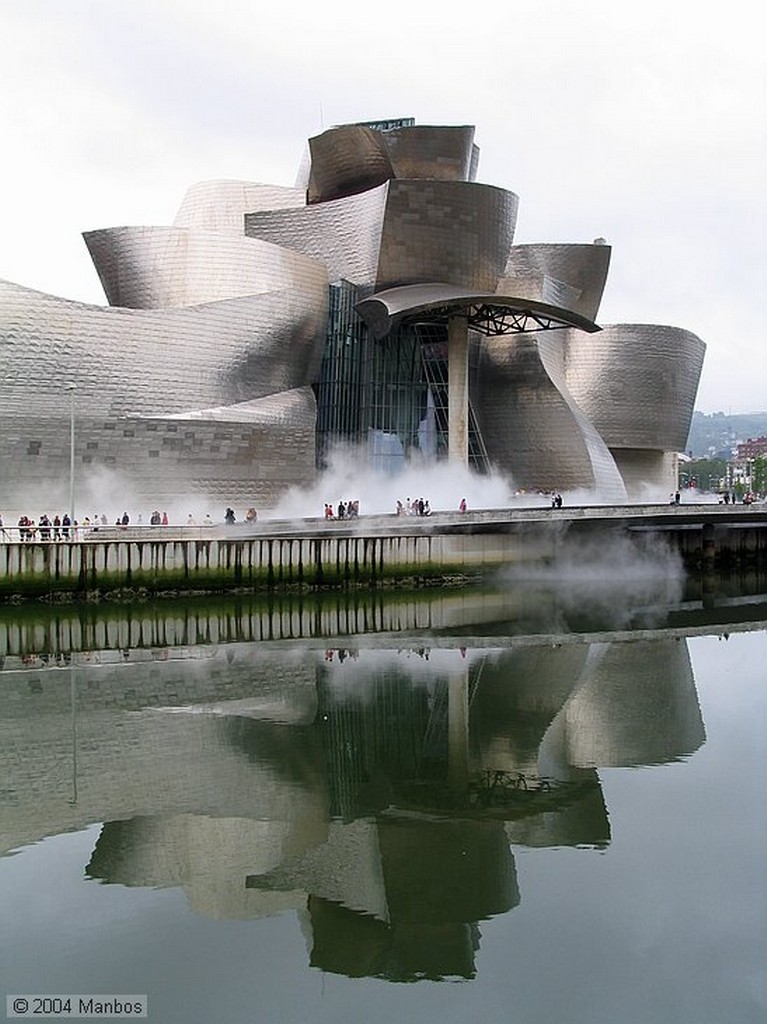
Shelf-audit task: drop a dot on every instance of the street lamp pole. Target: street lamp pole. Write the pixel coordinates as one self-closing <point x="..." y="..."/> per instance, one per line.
<point x="71" y="389"/>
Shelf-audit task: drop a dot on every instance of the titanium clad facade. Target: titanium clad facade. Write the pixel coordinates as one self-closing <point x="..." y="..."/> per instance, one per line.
<point x="637" y="384"/>
<point x="346" y="161"/>
<point x="436" y="153"/>
<point x="452" y="232"/>
<point x="647" y="472"/>
<point x="135" y="371"/>
<point x="572" y="276"/>
<point x="221" y="206"/>
<point x="534" y="432"/>
<point x="344" y="234"/>
<point x="168" y="267"/>
<point x="153" y="362"/>
<point x="402" y="232"/>
<point x="268" y="323"/>
<point x="351" y="159"/>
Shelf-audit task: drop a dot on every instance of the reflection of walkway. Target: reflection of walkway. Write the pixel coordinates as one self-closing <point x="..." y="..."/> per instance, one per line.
<point x="386" y="785"/>
<point x="554" y="609"/>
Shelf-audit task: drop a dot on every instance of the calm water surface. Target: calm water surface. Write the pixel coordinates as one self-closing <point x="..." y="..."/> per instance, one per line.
<point x="538" y="806"/>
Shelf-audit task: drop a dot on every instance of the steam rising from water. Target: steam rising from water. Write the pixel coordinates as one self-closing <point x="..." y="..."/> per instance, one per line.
<point x="102" y="491"/>
<point x="614" y="580"/>
<point x="349" y="477"/>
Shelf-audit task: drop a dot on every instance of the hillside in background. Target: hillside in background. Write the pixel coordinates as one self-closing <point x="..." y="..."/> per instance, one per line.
<point x="716" y="434"/>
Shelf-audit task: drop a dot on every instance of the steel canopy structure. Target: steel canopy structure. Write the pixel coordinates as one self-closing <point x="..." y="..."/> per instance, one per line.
<point x="491" y="315"/>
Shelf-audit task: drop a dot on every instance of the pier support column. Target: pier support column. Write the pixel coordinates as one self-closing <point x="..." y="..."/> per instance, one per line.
<point x="458" y="389"/>
<point x="708" y="548"/>
<point x="458" y="728"/>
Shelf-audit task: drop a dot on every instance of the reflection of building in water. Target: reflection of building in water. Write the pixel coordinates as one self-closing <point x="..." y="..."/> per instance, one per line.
<point x="439" y="878"/>
<point x="378" y="793"/>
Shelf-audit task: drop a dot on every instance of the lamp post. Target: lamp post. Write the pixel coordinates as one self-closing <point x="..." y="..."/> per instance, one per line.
<point x="71" y="390"/>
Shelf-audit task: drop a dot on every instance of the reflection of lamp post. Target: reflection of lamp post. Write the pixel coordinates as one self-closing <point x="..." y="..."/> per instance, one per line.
<point x="73" y="714"/>
<point x="71" y="390"/>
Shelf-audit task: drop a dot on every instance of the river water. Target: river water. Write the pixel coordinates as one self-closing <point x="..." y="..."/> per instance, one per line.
<point x="538" y="803"/>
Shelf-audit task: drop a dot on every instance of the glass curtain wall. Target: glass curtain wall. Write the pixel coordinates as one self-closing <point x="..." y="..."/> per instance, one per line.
<point x="343" y="389"/>
<point x="390" y="396"/>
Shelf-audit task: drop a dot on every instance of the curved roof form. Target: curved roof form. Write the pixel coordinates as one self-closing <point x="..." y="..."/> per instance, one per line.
<point x="218" y="326"/>
<point x="452" y="231"/>
<point x="345" y="161"/>
<point x="403" y="232"/>
<point x="221" y="205"/>
<point x="490" y="314"/>
<point x="354" y="158"/>
<point x="127" y="361"/>
<point x="438" y="153"/>
<point x="573" y="276"/>
<point x="636" y="383"/>
<point x="213" y="399"/>
<point x="168" y="267"/>
<point x="344" y="234"/>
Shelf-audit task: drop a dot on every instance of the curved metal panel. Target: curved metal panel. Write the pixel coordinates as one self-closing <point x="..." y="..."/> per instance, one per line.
<point x="487" y="314"/>
<point x="344" y="234"/>
<point x="649" y="474"/>
<point x="456" y="232"/>
<point x="572" y="276"/>
<point x="435" y="152"/>
<point x="163" y="267"/>
<point x="636" y="383"/>
<point x="532" y="429"/>
<point x="221" y="205"/>
<point x="157" y="361"/>
<point x="132" y="366"/>
<point x="346" y="161"/>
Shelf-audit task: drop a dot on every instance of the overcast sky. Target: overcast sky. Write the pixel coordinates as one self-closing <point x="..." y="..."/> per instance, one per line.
<point x="642" y="123"/>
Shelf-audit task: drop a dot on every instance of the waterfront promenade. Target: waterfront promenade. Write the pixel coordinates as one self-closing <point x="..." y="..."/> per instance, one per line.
<point x="273" y="554"/>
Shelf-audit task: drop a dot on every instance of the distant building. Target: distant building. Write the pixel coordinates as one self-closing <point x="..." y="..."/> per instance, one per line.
<point x="382" y="302"/>
<point x="753" y="448"/>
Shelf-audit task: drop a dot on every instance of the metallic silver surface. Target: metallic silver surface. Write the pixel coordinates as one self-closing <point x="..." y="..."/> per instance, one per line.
<point x="137" y="372"/>
<point x="454" y="232"/>
<point x="346" y="161"/>
<point x="533" y="430"/>
<point x="354" y="158"/>
<point x="199" y="375"/>
<point x="344" y="234"/>
<point x="636" y="382"/>
<point x="164" y="267"/>
<point x="221" y="205"/>
<point x="572" y="276"/>
<point x="428" y="151"/>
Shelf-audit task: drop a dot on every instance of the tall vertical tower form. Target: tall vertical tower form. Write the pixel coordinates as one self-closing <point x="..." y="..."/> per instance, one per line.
<point x="381" y="302"/>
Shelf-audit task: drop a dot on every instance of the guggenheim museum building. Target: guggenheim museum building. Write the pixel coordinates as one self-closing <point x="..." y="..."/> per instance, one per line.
<point x="381" y="303"/>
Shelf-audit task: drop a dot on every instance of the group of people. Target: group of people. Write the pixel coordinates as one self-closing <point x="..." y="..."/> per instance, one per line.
<point x="62" y="527"/>
<point x="57" y="528"/>
<point x="731" y="499"/>
<point x="345" y="510"/>
<point x="416" y="507"/>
